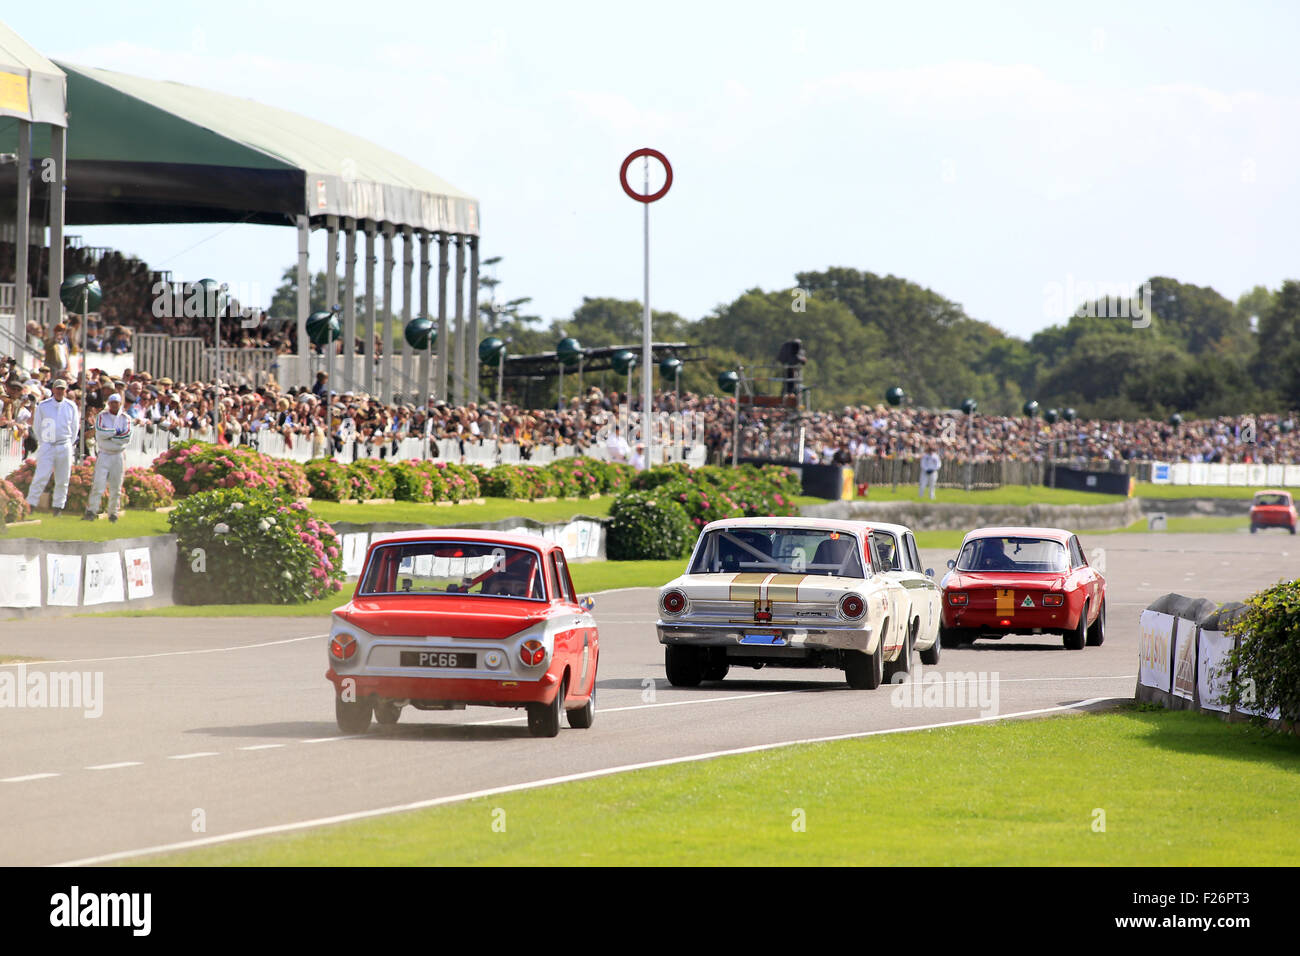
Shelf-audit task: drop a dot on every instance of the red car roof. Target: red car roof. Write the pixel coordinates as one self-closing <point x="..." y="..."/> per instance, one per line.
<point x="521" y="539"/>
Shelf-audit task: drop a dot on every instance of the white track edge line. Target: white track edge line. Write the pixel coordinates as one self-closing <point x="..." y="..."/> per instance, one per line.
<point x="549" y="782"/>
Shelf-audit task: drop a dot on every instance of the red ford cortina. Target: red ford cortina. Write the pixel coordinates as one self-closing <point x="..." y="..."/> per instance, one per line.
<point x="1272" y="509"/>
<point x="448" y="618"/>
<point x="1022" y="581"/>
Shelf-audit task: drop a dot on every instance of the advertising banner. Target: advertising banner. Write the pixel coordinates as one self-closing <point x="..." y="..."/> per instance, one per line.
<point x="139" y="573"/>
<point x="104" y="579"/>
<point x="62" y="580"/>
<point x="1185" y="660"/>
<point x="1212" y="652"/>
<point x="1155" y="650"/>
<point x="20" y="581"/>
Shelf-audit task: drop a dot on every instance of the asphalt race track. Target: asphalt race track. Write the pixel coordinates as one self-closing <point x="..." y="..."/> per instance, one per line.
<point x="233" y="717"/>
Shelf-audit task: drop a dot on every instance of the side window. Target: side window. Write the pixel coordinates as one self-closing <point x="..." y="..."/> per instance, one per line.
<point x="562" y="573"/>
<point x="1076" y="554"/>
<point x="552" y="586"/>
<point x="913" y="553"/>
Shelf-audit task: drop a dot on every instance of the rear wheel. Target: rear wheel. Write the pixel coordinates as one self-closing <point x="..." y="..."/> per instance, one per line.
<point x="952" y="637"/>
<point x="581" y="718"/>
<point x="353" y="716"/>
<point x="716" y="670"/>
<point x="1076" y="639"/>
<point x="544" y="719"/>
<point x="684" y="665"/>
<point x="865" y="671"/>
<point x="387" y="712"/>
<point x="1254" y="528"/>
<point x="897" y="670"/>
<point x="1097" y="633"/>
<point x="930" y="656"/>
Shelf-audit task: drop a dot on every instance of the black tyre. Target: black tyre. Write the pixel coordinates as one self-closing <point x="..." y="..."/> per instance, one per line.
<point x="930" y="656"/>
<point x="582" y="717"/>
<point x="865" y="671"/>
<point x="1097" y="632"/>
<point x="716" y="669"/>
<point x="900" y="667"/>
<point x="1254" y="528"/>
<point x="387" y="713"/>
<point x="544" y="719"/>
<point x="1293" y="529"/>
<point x="1076" y="639"/>
<point x="684" y="665"/>
<point x="353" y="717"/>
<point x="953" y="637"/>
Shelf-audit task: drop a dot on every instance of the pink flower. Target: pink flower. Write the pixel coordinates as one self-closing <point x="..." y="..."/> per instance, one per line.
<point x="189" y="474"/>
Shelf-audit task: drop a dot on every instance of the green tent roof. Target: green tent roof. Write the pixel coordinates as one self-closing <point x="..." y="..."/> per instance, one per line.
<point x="154" y="151"/>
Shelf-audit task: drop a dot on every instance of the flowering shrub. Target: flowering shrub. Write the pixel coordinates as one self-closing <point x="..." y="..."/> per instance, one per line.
<point x="237" y="546"/>
<point x="194" y="466"/>
<point x="578" y="477"/>
<point x="414" y="482"/>
<point x="13" y="506"/>
<point x="542" y="483"/>
<point x="643" y="525"/>
<point x="146" y="489"/>
<point x="504" y="481"/>
<point x="79" y="482"/>
<point x="708" y="494"/>
<point x="370" y="478"/>
<point x="328" y="479"/>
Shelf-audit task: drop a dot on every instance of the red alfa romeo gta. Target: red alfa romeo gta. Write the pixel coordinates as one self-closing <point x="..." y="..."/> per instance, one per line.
<point x="1022" y="581"/>
<point x="448" y="618"/>
<point x="1272" y="509"/>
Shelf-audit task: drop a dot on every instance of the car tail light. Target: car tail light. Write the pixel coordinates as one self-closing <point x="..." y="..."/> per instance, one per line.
<point x="532" y="653"/>
<point x="852" y="606"/>
<point x="673" y="602"/>
<point x="1053" y="600"/>
<point x="958" y="598"/>
<point x="343" y="647"/>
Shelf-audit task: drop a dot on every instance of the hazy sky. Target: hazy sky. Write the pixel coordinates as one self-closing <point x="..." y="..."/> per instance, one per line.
<point x="1004" y="157"/>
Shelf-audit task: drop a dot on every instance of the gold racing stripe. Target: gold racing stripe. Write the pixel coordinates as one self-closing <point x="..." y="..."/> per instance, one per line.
<point x="1006" y="601"/>
<point x="784" y="588"/>
<point x="748" y="586"/>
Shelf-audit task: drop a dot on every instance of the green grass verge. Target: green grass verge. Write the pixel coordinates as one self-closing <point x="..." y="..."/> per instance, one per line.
<point x="133" y="524"/>
<point x="607" y="575"/>
<point x="1017" y="793"/>
<point x="1147" y="490"/>
<point x="1006" y="495"/>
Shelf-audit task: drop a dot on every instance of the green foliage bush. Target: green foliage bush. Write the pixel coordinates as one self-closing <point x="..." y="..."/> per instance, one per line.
<point x="328" y="480"/>
<point x="370" y="479"/>
<point x="644" y="526"/>
<point x="1266" y="658"/>
<point x="238" y="546"/>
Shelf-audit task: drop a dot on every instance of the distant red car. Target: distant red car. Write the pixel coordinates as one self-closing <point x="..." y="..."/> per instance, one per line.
<point x="1022" y="581"/>
<point x="1272" y="509"/>
<point x="449" y="618"/>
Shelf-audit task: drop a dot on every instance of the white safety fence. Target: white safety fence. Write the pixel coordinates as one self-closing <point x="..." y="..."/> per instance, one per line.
<point x="146" y="445"/>
<point x="1231" y="475"/>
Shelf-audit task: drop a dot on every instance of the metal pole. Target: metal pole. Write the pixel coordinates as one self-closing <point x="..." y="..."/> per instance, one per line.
<point x="647" y="383"/>
<point x="59" y="152"/>
<point x="368" y="346"/>
<point x="501" y="375"/>
<point x="444" y="345"/>
<point x="332" y="289"/>
<point x="458" y="370"/>
<point x="82" y="377"/>
<point x="23" y="232"/>
<point x="471" y="343"/>
<point x="349" y="377"/>
<point x="386" y="335"/>
<point x="304" y="297"/>
<point x="735" y="419"/>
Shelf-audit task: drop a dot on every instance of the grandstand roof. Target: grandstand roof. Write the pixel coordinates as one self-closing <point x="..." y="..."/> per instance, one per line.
<point x="153" y="151"/>
<point x="31" y="87"/>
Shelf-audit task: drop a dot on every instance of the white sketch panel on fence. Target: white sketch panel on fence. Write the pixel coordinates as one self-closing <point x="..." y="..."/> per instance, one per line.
<point x="1212" y="653"/>
<point x="1155" y="639"/>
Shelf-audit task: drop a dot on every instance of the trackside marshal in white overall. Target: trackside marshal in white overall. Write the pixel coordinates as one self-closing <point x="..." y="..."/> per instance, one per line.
<point x="55" y="426"/>
<point x="112" y="433"/>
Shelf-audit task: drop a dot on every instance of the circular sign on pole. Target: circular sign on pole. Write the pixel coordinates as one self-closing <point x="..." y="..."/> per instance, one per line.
<point x="644" y="197"/>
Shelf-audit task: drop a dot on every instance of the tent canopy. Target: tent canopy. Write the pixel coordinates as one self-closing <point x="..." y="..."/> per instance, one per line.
<point x="151" y="151"/>
<point x="31" y="87"/>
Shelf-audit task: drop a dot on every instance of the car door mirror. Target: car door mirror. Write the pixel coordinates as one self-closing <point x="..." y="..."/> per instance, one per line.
<point x="952" y="563"/>
<point x="588" y="603"/>
<point x="929" y="572"/>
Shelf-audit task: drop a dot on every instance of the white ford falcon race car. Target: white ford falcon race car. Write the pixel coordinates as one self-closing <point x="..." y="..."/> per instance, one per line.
<point x="785" y="592"/>
<point x="896" y="548"/>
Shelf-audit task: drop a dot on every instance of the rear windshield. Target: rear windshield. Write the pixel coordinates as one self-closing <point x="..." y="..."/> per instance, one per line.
<point x="1013" y="554"/>
<point x="454" y="567"/>
<point x="1272" y="500"/>
<point x="780" y="551"/>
